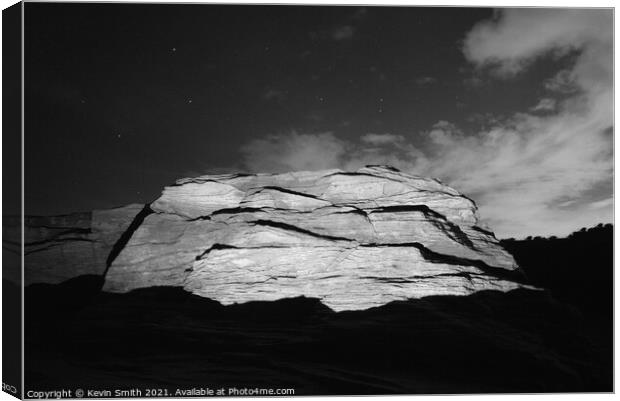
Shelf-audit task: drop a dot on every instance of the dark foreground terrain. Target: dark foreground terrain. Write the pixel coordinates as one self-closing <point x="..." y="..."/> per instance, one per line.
<point x="522" y="341"/>
<point x="577" y="269"/>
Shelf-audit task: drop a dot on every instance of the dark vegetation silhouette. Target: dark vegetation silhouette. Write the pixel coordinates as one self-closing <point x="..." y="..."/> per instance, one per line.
<point x="163" y="337"/>
<point x="577" y="269"/>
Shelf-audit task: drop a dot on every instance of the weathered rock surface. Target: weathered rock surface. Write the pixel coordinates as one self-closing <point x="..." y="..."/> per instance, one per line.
<point x="352" y="239"/>
<point x="57" y="248"/>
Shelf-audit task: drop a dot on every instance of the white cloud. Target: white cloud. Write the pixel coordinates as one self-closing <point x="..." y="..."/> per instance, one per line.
<point x="444" y="133"/>
<point x="562" y="82"/>
<point x="545" y="104"/>
<point x="318" y="151"/>
<point x="524" y="165"/>
<point x="280" y="153"/>
<point x="381" y="139"/>
<point x="515" y="37"/>
<point x="518" y="171"/>
<point x="604" y="203"/>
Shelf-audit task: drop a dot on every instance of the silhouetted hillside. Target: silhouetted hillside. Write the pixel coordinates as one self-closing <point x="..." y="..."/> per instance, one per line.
<point x="577" y="269"/>
<point x="559" y="340"/>
<point x="163" y="337"/>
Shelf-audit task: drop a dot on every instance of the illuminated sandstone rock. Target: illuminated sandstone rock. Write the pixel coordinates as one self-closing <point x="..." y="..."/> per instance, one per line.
<point x="352" y="239"/>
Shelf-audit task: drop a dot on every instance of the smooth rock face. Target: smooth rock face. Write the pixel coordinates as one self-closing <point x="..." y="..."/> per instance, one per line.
<point x="58" y="248"/>
<point x="352" y="239"/>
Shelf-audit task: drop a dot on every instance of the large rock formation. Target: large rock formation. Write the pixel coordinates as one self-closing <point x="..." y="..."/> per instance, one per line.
<point x="352" y="239"/>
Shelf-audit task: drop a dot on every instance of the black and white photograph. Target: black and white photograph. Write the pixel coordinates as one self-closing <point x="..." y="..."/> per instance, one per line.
<point x="286" y="200"/>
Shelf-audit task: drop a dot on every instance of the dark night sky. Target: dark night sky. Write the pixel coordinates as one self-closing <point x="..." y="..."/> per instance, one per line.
<point x="123" y="99"/>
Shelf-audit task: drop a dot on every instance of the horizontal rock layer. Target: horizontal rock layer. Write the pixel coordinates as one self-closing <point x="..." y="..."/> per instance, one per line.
<point x="352" y="239"/>
<point x="57" y="248"/>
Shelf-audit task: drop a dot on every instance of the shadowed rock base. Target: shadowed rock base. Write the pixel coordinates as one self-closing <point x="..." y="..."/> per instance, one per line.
<point x="163" y="337"/>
